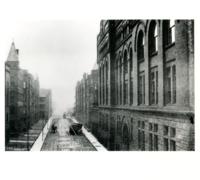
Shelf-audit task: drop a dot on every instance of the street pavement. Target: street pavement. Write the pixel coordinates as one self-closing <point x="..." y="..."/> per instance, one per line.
<point x="63" y="141"/>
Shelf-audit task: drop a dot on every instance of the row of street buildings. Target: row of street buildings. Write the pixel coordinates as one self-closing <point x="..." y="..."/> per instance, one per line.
<point x="25" y="102"/>
<point x="141" y="95"/>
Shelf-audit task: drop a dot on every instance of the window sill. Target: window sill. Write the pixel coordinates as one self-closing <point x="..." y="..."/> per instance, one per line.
<point x="169" y="45"/>
<point x="154" y="53"/>
<point x="141" y="60"/>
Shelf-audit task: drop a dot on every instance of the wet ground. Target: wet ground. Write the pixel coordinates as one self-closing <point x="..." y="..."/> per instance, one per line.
<point x="63" y="141"/>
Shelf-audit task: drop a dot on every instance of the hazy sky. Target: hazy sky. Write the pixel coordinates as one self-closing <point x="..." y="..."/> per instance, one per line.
<point x="59" y="52"/>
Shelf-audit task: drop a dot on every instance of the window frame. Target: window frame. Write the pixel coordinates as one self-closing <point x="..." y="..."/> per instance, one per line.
<point x="169" y="138"/>
<point x="169" y="32"/>
<point x="141" y="88"/>
<point x="153" y="84"/>
<point x="131" y="75"/>
<point x="170" y="92"/>
<point x="125" y="76"/>
<point x="153" y="38"/>
<point x="140" y="46"/>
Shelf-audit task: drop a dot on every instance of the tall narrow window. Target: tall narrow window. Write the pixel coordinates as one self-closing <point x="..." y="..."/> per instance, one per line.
<point x="153" y="38"/>
<point x="169" y="32"/>
<point x="170" y="83"/>
<point x="103" y="85"/>
<point x="131" y="77"/>
<point x="154" y="85"/>
<point x="139" y="139"/>
<point x="169" y="135"/>
<point x="121" y="68"/>
<point x="166" y="144"/>
<point x="116" y="82"/>
<point x="150" y="142"/>
<point x="156" y="38"/>
<point x="174" y="84"/>
<point x="107" y="83"/>
<point x="118" y="79"/>
<point x="125" y="78"/>
<point x="155" y="142"/>
<point x="100" y="84"/>
<point x="140" y="46"/>
<point x="143" y="141"/>
<point x="172" y="30"/>
<point x="141" y="135"/>
<point x="141" y="88"/>
<point x="172" y="145"/>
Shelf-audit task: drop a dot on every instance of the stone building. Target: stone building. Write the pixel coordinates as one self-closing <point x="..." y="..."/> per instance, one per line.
<point x="16" y="92"/>
<point x="23" y="96"/>
<point x="31" y="98"/>
<point x="87" y="98"/>
<point x="145" y="85"/>
<point x="45" y="104"/>
<point x="81" y="100"/>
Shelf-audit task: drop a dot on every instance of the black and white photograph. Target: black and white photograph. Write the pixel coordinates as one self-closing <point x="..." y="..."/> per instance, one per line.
<point x="137" y="96"/>
<point x="99" y="90"/>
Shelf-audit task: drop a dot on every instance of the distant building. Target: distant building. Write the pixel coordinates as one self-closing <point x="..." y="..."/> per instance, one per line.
<point x="16" y="92"/>
<point x="45" y="104"/>
<point x="86" y="97"/>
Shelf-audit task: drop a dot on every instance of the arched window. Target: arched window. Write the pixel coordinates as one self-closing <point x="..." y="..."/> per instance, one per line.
<point x="120" y="75"/>
<point x="103" y="84"/>
<point x="140" y="46"/>
<point x="153" y="38"/>
<point x="131" y="75"/>
<point x="169" y="32"/>
<point x="107" y="82"/>
<point x="125" y="78"/>
<point x="116" y="81"/>
<point x="100" y="84"/>
<point x="141" y="72"/>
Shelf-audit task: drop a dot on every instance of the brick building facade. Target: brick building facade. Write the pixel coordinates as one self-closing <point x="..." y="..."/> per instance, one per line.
<point x="24" y="96"/>
<point x="86" y="98"/>
<point x="145" y="85"/>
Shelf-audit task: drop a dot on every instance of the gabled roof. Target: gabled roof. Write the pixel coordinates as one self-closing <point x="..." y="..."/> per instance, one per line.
<point x="13" y="53"/>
